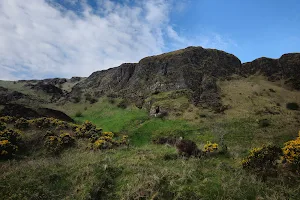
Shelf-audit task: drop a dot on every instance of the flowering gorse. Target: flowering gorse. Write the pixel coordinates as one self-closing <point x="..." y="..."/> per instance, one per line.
<point x="210" y="147"/>
<point x="291" y="151"/>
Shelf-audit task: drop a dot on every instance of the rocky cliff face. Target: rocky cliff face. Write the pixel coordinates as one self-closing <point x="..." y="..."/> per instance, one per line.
<point x="287" y="68"/>
<point x="193" y="68"/>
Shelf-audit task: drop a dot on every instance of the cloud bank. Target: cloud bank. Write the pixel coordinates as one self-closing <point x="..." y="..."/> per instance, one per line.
<point x="42" y="38"/>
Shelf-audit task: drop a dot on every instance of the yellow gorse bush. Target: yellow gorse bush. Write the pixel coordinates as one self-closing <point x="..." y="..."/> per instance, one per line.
<point x="291" y="151"/>
<point x="9" y="142"/>
<point x="108" y="134"/>
<point x="7" y="149"/>
<point x="7" y="119"/>
<point x="210" y="147"/>
<point x="4" y="142"/>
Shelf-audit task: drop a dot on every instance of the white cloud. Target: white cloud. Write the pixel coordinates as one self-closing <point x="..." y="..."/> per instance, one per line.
<point x="46" y="41"/>
<point x="174" y="35"/>
<point x="41" y="39"/>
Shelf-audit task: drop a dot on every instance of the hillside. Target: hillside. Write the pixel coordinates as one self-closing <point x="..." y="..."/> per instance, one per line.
<point x="199" y="94"/>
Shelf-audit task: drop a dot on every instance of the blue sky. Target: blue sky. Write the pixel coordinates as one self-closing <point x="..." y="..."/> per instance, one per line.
<point x="258" y="28"/>
<point x="65" y="38"/>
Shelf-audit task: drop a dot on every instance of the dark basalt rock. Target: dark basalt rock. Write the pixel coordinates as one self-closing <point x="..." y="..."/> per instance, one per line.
<point x="75" y="79"/>
<point x="10" y="96"/>
<point x="54" y="81"/>
<point x="193" y="68"/>
<point x="17" y="110"/>
<point x="47" y="112"/>
<point x="47" y="88"/>
<point x="287" y="67"/>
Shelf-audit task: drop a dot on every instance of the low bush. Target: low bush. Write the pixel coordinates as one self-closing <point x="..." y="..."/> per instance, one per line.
<point x="263" y="123"/>
<point x="78" y="114"/>
<point x="123" y="104"/>
<point x="111" y="100"/>
<point x="292" y="106"/>
<point x="88" y="97"/>
<point x="87" y="130"/>
<point x="263" y="161"/>
<point x="66" y="140"/>
<point x="7" y="149"/>
<point x="13" y="136"/>
<point x="2" y="126"/>
<point x="162" y="114"/>
<point x="7" y="119"/>
<point x="53" y="144"/>
<point x="9" y="143"/>
<point x="101" y="144"/>
<point x="42" y="122"/>
<point x="107" y="141"/>
<point x="21" y="124"/>
<point x="93" y="100"/>
<point x="291" y="152"/>
<point x="170" y="156"/>
<point x="62" y="125"/>
<point x="211" y="147"/>
<point x="76" y="99"/>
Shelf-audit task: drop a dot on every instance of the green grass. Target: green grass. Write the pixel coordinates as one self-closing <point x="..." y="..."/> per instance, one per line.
<point x="111" y="118"/>
<point x="133" y="121"/>
<point x="135" y="173"/>
<point x="142" y="170"/>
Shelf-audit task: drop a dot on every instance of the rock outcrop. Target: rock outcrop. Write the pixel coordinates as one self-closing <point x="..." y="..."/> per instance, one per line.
<point x="17" y="110"/>
<point x="287" y="68"/>
<point x="193" y="68"/>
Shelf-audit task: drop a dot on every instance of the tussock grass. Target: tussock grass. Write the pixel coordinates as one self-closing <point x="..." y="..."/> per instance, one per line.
<point x="148" y="171"/>
<point x="134" y="173"/>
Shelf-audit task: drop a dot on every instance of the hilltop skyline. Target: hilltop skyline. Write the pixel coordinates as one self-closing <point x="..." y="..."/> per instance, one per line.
<point x="64" y="38"/>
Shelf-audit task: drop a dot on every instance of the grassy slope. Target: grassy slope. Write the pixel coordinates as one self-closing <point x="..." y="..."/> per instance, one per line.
<point x="142" y="170"/>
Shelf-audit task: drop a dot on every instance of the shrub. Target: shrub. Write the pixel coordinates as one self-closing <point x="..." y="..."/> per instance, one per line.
<point x="164" y="140"/>
<point x="78" y="114"/>
<point x="263" y="160"/>
<point x="9" y="142"/>
<point x="170" y="156"/>
<point x="2" y="126"/>
<point x="49" y="133"/>
<point x="7" y="119"/>
<point x="124" y="140"/>
<point x="101" y="144"/>
<point x="264" y="123"/>
<point x="111" y="100"/>
<point x="53" y="144"/>
<point x="76" y="99"/>
<point x="93" y="100"/>
<point x="87" y="129"/>
<point x="42" y="122"/>
<point x="7" y="149"/>
<point x="89" y="98"/>
<point x="66" y="140"/>
<point x="62" y="125"/>
<point x="13" y="136"/>
<point x="21" y="124"/>
<point x="123" y="104"/>
<point x="291" y="152"/>
<point x="210" y="147"/>
<point x="292" y="106"/>
<point x="162" y="114"/>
